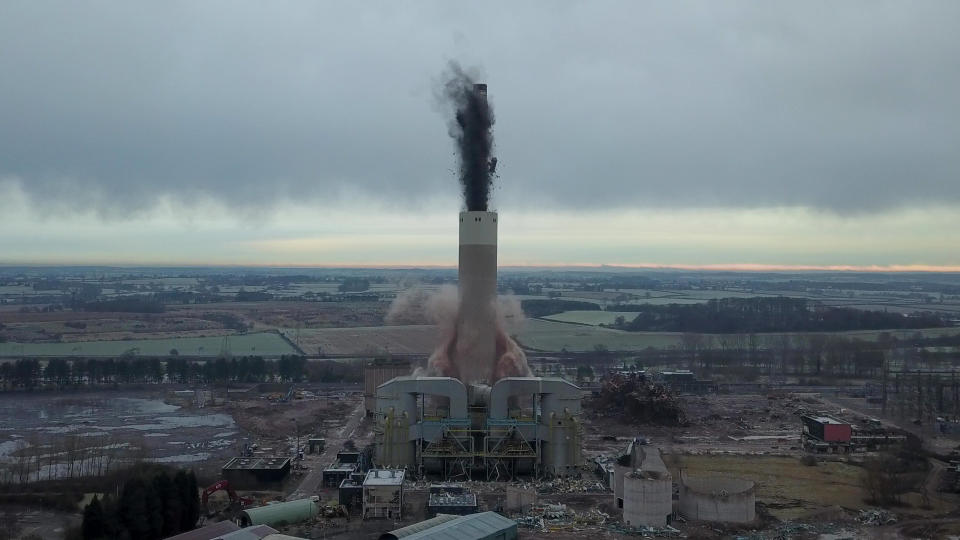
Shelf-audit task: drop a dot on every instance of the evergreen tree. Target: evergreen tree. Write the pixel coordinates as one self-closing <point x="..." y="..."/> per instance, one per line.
<point x="186" y="488"/>
<point x="154" y="512"/>
<point x="94" y="523"/>
<point x="132" y="511"/>
<point x="193" y="503"/>
<point x="169" y="502"/>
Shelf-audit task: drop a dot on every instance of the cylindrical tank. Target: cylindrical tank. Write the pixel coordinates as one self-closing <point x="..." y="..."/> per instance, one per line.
<point x="717" y="498"/>
<point x="647" y="499"/>
<point x="476" y="323"/>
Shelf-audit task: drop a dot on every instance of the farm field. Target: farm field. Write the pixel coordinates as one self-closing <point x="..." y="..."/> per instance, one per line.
<point x="591" y="318"/>
<point x="792" y="490"/>
<point x="554" y="336"/>
<point x="788" y="488"/>
<point x="259" y="344"/>
<point x="366" y="341"/>
<point x="896" y="301"/>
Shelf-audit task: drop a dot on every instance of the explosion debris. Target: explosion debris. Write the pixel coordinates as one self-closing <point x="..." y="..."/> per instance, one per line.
<point x="471" y="127"/>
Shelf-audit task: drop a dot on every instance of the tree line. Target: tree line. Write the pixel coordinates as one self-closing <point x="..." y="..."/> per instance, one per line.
<point x="61" y="373"/>
<point x="151" y="505"/>
<point x="53" y="457"/>
<point x="545" y="308"/>
<point x="781" y="314"/>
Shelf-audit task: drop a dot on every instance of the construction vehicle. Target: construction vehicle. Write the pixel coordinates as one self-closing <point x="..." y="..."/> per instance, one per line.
<point x="236" y="502"/>
<point x="335" y="511"/>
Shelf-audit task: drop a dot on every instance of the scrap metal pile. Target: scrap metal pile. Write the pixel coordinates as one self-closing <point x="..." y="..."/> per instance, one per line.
<point x="632" y="399"/>
<point x="560" y="517"/>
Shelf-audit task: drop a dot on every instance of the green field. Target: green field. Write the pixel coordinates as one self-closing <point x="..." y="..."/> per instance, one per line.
<point x="554" y="336"/>
<point x="592" y="318"/>
<point x="262" y="344"/>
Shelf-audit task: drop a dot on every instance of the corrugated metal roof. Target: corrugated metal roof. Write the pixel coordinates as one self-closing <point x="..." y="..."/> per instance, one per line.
<point x="209" y="532"/>
<point x="417" y="527"/>
<point x="473" y="526"/>
<point x="255" y="532"/>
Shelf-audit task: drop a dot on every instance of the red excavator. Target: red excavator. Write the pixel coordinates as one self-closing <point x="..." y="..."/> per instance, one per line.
<point x="235" y="500"/>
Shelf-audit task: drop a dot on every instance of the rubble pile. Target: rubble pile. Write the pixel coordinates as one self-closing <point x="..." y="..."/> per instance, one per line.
<point x="876" y="517"/>
<point x="570" y="485"/>
<point x="645" y="532"/>
<point x="560" y="517"/>
<point x="631" y="399"/>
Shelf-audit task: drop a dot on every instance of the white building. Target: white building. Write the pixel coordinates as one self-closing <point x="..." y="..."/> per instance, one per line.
<point x="383" y="493"/>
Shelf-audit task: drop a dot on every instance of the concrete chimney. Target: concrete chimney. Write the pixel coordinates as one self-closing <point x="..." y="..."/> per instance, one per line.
<point x="476" y="325"/>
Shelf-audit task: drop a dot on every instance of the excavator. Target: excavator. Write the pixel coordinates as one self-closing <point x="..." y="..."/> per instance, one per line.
<point x="235" y="500"/>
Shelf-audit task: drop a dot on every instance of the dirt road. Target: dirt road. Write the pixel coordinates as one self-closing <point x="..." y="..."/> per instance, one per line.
<point x="310" y="484"/>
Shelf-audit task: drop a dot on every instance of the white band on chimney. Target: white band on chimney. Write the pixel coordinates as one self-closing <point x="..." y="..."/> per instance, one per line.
<point x="478" y="228"/>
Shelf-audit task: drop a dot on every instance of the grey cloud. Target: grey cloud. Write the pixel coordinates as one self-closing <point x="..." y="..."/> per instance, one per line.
<point x="843" y="106"/>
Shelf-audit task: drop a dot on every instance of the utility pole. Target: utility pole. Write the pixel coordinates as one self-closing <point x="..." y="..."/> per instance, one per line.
<point x="296" y="452"/>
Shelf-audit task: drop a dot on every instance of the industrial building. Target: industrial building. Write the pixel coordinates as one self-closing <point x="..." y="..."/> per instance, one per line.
<point x="482" y="526"/>
<point x="281" y="513"/>
<point x="256" y="473"/>
<point x="208" y="532"/>
<point x="826" y="434"/>
<point x="452" y="499"/>
<point x="643" y="487"/>
<point x="377" y="372"/>
<point x="228" y="530"/>
<point x="350" y="492"/>
<point x="717" y="498"/>
<point x="519" y="426"/>
<point x="383" y="494"/>
<point x="346" y="464"/>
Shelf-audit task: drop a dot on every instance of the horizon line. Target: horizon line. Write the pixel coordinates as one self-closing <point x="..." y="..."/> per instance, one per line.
<point x="718" y="267"/>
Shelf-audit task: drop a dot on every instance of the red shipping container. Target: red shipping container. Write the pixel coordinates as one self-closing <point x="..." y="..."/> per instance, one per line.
<point x="837" y="432"/>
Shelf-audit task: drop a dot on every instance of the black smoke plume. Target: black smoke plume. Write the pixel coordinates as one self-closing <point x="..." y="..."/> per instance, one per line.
<point x="472" y="129"/>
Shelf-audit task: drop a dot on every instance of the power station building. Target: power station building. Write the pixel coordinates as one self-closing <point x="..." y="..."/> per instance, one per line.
<point x="518" y="426"/>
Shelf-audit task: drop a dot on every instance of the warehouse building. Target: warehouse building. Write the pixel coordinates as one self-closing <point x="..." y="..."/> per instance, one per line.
<point x="482" y="526"/>
<point x="383" y="494"/>
<point x="256" y="473"/>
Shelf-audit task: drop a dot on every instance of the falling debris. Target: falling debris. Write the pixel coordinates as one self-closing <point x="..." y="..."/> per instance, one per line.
<point x="471" y="127"/>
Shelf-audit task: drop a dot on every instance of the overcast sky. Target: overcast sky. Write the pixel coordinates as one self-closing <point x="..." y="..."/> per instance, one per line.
<point x="670" y="133"/>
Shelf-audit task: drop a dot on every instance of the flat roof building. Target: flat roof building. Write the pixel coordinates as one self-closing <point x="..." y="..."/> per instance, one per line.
<point x="256" y="472"/>
<point x="383" y="493"/>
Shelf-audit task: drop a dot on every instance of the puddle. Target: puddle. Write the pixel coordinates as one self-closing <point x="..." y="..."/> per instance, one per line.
<point x="50" y="420"/>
